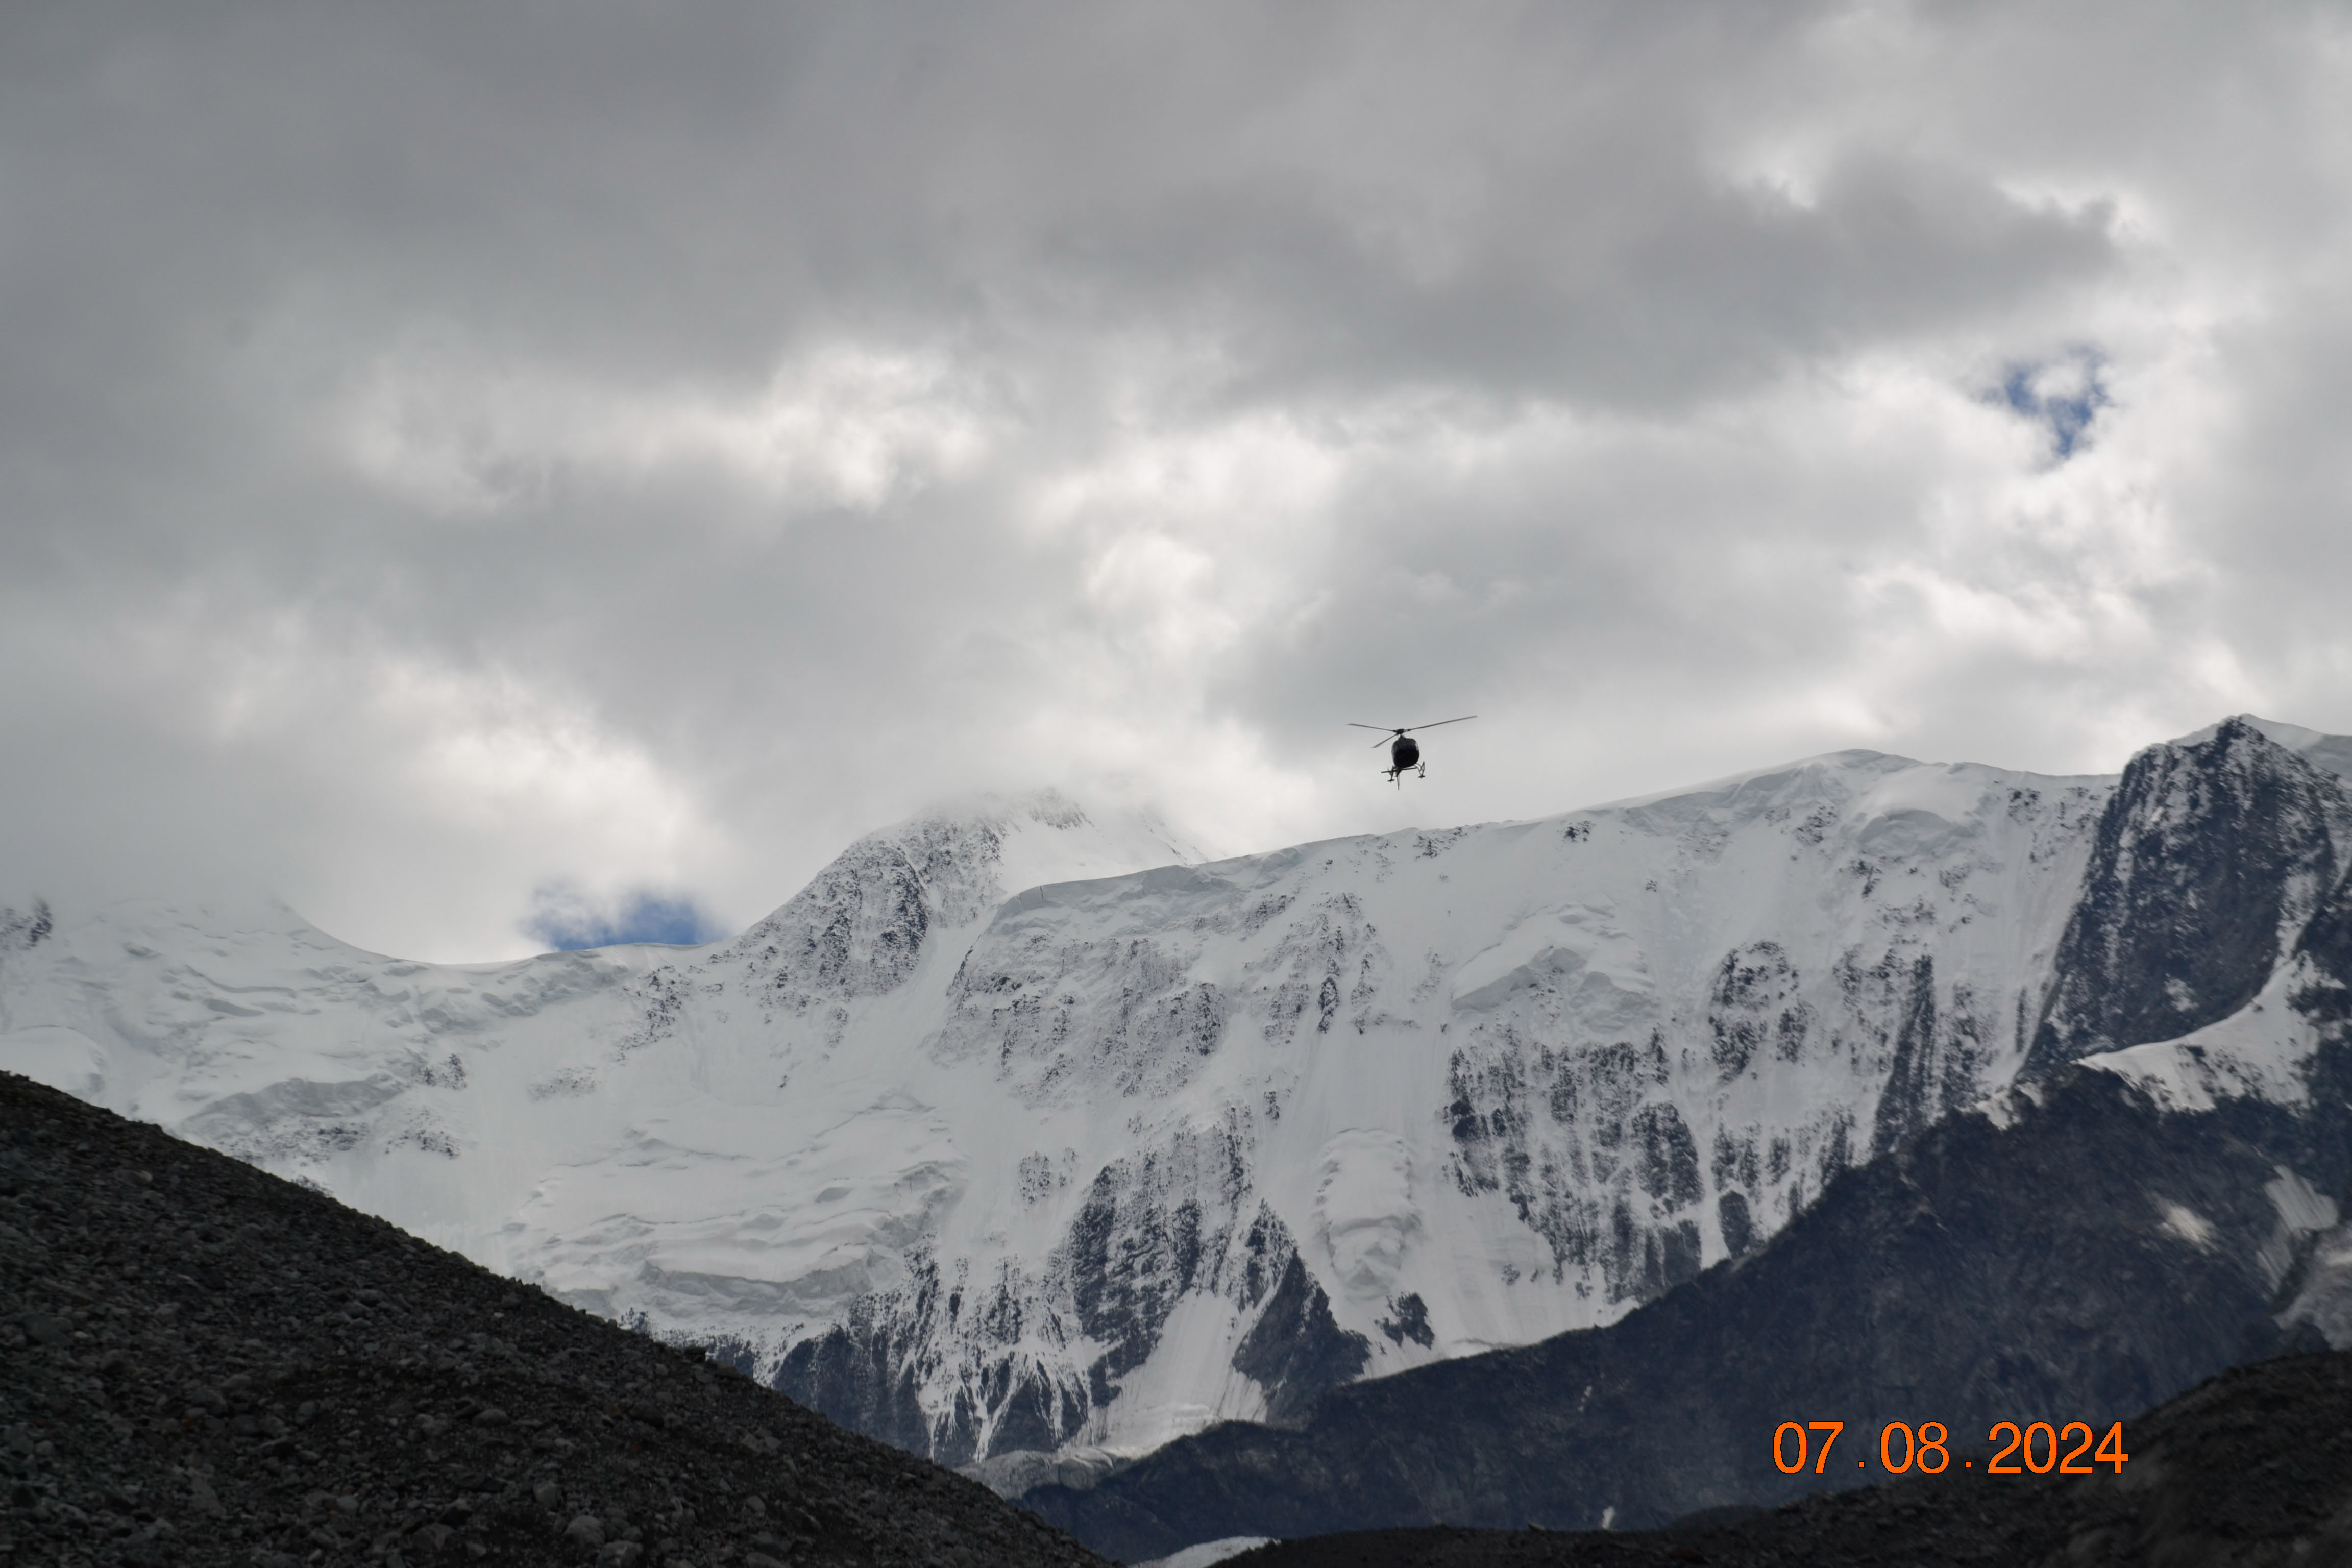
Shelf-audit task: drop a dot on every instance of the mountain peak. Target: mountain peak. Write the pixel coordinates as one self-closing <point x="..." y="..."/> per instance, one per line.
<point x="1043" y="836"/>
<point x="2333" y="752"/>
<point x="865" y="923"/>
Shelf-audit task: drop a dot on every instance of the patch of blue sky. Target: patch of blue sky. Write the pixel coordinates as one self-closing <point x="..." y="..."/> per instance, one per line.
<point x="567" y="920"/>
<point x="2063" y="394"/>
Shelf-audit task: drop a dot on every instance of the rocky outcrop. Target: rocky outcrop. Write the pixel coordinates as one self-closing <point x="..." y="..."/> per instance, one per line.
<point x="1065" y="1019"/>
<point x="858" y="928"/>
<point x="1029" y="1360"/>
<point x="1583" y="1140"/>
<point x="1943" y="1046"/>
<point x="2210" y="858"/>
<point x="1296" y="1352"/>
<point x="24" y="930"/>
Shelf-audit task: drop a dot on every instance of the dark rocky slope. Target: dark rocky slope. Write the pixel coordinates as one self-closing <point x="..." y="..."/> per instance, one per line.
<point x="201" y="1363"/>
<point x="2254" y="1468"/>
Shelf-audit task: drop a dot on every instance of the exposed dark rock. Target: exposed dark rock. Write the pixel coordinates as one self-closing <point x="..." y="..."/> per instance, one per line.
<point x="1910" y="1100"/>
<point x="1754" y="1000"/>
<point x="1297" y="1352"/>
<point x="2209" y="859"/>
<point x="201" y="1364"/>
<point x="2326" y="943"/>
<point x="26" y="929"/>
<point x="1157" y="1223"/>
<point x="855" y="1373"/>
<point x="1408" y="1319"/>
<point x="1739" y="1228"/>
<point x="857" y="929"/>
<point x="1131" y="1255"/>
<point x="1667" y="1155"/>
<point x="2094" y="1257"/>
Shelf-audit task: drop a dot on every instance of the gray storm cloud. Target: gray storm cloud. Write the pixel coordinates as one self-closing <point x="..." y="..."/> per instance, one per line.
<point x="452" y="451"/>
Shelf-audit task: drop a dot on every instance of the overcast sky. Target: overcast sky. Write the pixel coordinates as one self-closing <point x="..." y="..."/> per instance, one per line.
<point x="457" y="457"/>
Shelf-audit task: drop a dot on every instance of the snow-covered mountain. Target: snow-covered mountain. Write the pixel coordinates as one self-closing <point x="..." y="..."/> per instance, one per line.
<point x="1016" y="1134"/>
<point x="2162" y="1194"/>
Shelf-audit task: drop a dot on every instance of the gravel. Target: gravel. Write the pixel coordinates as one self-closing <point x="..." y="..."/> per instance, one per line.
<point x="201" y="1363"/>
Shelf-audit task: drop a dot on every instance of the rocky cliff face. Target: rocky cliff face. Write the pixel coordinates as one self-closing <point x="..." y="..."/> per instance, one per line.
<point x="2093" y="1239"/>
<point x="2090" y="1258"/>
<point x="1669" y="1026"/>
<point x="2210" y="859"/>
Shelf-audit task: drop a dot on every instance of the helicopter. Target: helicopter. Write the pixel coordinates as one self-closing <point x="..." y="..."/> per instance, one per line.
<point x="1403" y="751"/>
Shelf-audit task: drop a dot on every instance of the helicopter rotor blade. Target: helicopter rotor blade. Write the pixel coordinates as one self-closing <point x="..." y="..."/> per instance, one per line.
<point x="1383" y="729"/>
<point x="1464" y="719"/>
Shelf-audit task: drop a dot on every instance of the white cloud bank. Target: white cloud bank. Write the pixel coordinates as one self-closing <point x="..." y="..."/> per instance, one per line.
<point x="447" y="454"/>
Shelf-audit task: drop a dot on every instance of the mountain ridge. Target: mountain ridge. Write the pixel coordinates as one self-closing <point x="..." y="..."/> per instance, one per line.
<point x="2084" y="1242"/>
<point x="1048" y="1175"/>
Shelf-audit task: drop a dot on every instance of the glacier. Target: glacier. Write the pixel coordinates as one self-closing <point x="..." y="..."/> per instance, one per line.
<point x="1030" y="1140"/>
